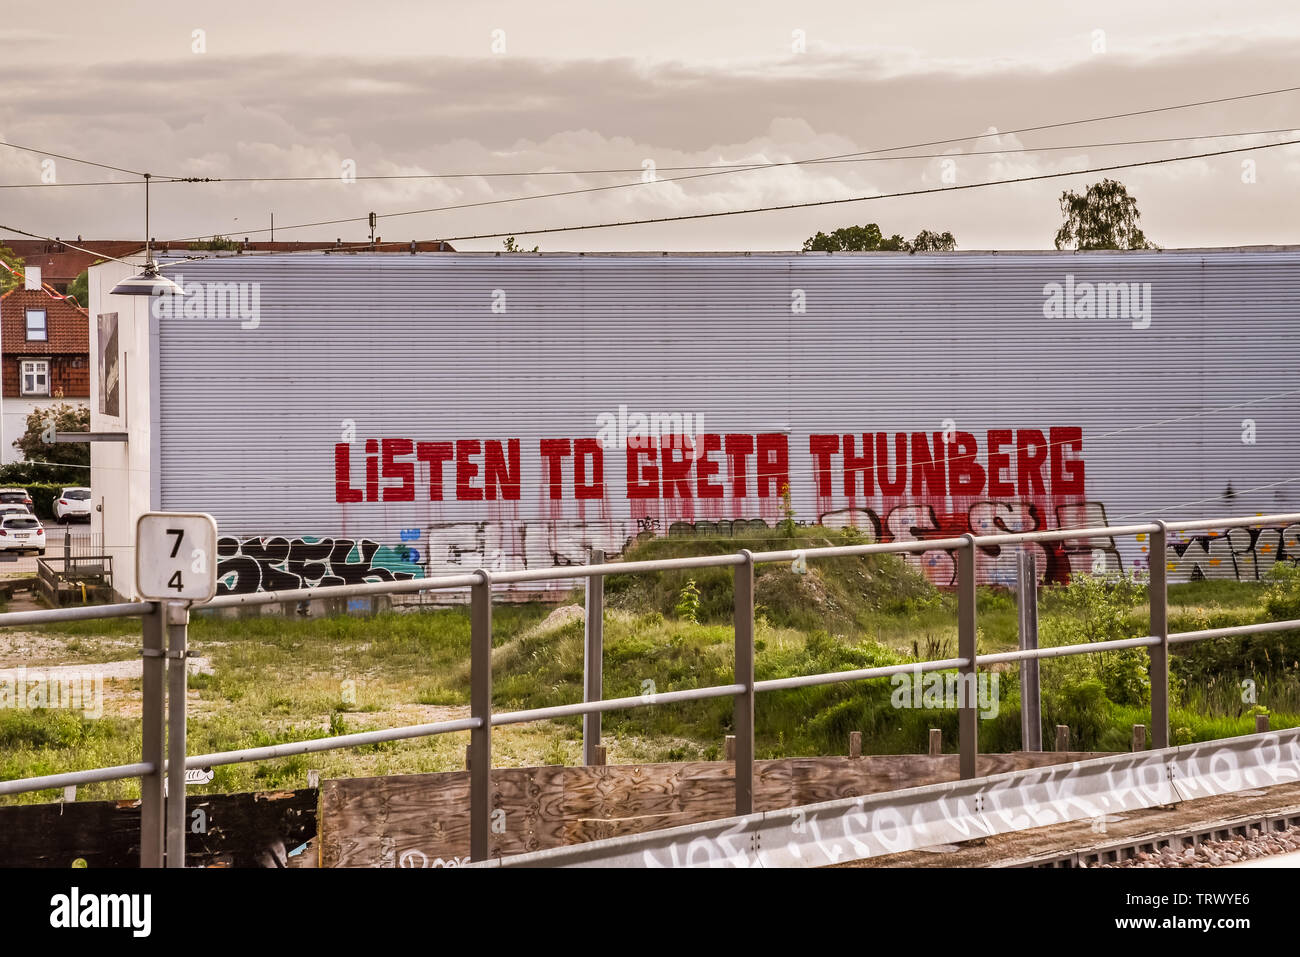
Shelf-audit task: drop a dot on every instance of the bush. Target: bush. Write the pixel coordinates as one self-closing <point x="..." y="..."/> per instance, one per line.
<point x="43" y="495"/>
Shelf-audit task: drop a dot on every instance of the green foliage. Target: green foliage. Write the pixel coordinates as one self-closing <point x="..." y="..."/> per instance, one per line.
<point x="79" y="289"/>
<point x="216" y="244"/>
<point x="10" y="280"/>
<point x="930" y="242"/>
<point x="1104" y="217"/>
<point x="868" y="238"/>
<point x="37" y="443"/>
<point x="511" y="246"/>
<point x="688" y="603"/>
<point x="786" y="526"/>
<point x="1268" y="656"/>
<point x="1282" y="598"/>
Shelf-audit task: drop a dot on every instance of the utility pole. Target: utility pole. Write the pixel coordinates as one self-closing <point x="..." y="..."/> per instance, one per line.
<point x="373" y="220"/>
<point x="273" y="227"/>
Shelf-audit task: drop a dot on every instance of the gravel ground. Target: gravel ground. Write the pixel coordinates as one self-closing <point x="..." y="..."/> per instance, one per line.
<point x="1219" y="853"/>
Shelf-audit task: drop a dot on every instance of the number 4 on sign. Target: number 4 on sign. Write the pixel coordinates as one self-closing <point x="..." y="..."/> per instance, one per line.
<point x="173" y="556"/>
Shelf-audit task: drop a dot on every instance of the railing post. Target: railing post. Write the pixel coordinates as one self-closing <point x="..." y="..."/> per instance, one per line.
<point x="593" y="659"/>
<point x="1031" y="722"/>
<point x="177" y="615"/>
<point x="480" y="738"/>
<point x="744" y="621"/>
<point x="153" y="750"/>
<point x="1158" y="598"/>
<point x="968" y="716"/>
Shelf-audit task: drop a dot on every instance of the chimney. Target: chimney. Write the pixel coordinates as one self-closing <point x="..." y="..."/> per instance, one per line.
<point x="33" y="274"/>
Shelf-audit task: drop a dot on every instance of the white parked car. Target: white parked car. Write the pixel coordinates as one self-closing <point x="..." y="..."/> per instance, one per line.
<point x="72" y="503"/>
<point x="14" y="510"/>
<point x="22" y="533"/>
<point x="15" y="496"/>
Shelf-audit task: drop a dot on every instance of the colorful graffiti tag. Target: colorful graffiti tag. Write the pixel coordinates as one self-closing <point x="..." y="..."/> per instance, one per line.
<point x="272" y="564"/>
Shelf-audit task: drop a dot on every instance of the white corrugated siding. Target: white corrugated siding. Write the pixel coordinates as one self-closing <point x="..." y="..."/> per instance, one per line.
<point x="408" y="346"/>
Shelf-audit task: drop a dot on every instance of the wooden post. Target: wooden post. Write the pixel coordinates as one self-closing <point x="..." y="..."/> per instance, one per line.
<point x="936" y="742"/>
<point x="313" y="779"/>
<point x="468" y="751"/>
<point x="729" y="748"/>
<point x="1261" y="723"/>
<point x="1062" y="737"/>
<point x="600" y="754"/>
<point x="1139" y="737"/>
<point x="70" y="793"/>
<point x="855" y="744"/>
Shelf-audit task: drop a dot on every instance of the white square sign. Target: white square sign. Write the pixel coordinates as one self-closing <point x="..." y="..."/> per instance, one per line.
<point x="176" y="556"/>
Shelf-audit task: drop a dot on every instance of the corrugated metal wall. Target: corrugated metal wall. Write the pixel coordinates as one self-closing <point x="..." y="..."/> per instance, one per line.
<point x="457" y="348"/>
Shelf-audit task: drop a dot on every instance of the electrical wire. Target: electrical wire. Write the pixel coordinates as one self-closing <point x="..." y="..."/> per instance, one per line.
<point x="860" y="199"/>
<point x="839" y="156"/>
<point x="728" y="167"/>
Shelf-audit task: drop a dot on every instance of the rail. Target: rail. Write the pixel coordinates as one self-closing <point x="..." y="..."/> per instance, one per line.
<point x="163" y="822"/>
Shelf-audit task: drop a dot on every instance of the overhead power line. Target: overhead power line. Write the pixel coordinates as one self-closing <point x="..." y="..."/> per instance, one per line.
<point x="729" y="167"/>
<point x="819" y="159"/>
<point x="767" y="209"/>
<point x="76" y="159"/>
<point x="860" y="199"/>
<point x="83" y="249"/>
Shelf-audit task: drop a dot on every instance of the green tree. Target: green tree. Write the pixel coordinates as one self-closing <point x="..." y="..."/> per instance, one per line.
<point x="1104" y="217"/>
<point x="9" y="280"/>
<point x="37" y="443"/>
<point x="512" y="247"/>
<point x="79" y="289"/>
<point x="869" y="238"/>
<point x="216" y="244"/>
<point x="930" y="242"/>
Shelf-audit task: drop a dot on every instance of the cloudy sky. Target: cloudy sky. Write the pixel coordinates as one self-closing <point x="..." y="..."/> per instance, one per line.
<point x="306" y="89"/>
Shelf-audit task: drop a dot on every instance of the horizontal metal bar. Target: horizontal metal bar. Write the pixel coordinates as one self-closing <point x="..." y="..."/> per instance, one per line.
<point x="48" y="616"/>
<point x="1062" y="651"/>
<point x="117" y="773"/>
<point x="614" y="704"/>
<point x="1281" y="518"/>
<point x="1184" y="636"/>
<point x="343" y="591"/>
<point x="329" y="744"/>
<point x="873" y="548"/>
<point x="82" y="437"/>
<point x="1064" y="534"/>
<point x="861" y="674"/>
<point x="712" y="561"/>
<point x="619" y="568"/>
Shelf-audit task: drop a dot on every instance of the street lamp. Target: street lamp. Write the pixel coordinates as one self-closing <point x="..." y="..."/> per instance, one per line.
<point x="150" y="282"/>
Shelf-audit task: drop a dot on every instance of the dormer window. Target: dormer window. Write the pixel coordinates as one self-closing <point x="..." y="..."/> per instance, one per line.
<point x="36" y="330"/>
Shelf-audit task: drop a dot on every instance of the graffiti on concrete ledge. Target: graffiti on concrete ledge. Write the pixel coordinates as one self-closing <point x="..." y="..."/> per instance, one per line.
<point x="273" y="564"/>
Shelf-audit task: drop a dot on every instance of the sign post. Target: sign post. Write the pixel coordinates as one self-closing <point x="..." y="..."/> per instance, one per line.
<point x="176" y="564"/>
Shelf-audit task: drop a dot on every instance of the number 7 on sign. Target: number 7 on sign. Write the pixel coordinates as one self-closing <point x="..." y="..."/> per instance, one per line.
<point x="175" y="556"/>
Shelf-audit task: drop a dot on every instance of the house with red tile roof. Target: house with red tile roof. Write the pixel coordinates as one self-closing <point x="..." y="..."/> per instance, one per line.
<point x="44" y="357"/>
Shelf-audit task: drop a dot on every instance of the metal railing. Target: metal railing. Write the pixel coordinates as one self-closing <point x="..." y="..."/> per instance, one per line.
<point x="163" y="822"/>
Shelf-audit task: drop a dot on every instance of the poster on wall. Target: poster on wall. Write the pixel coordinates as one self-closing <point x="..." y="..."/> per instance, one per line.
<point x="109" y="364"/>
